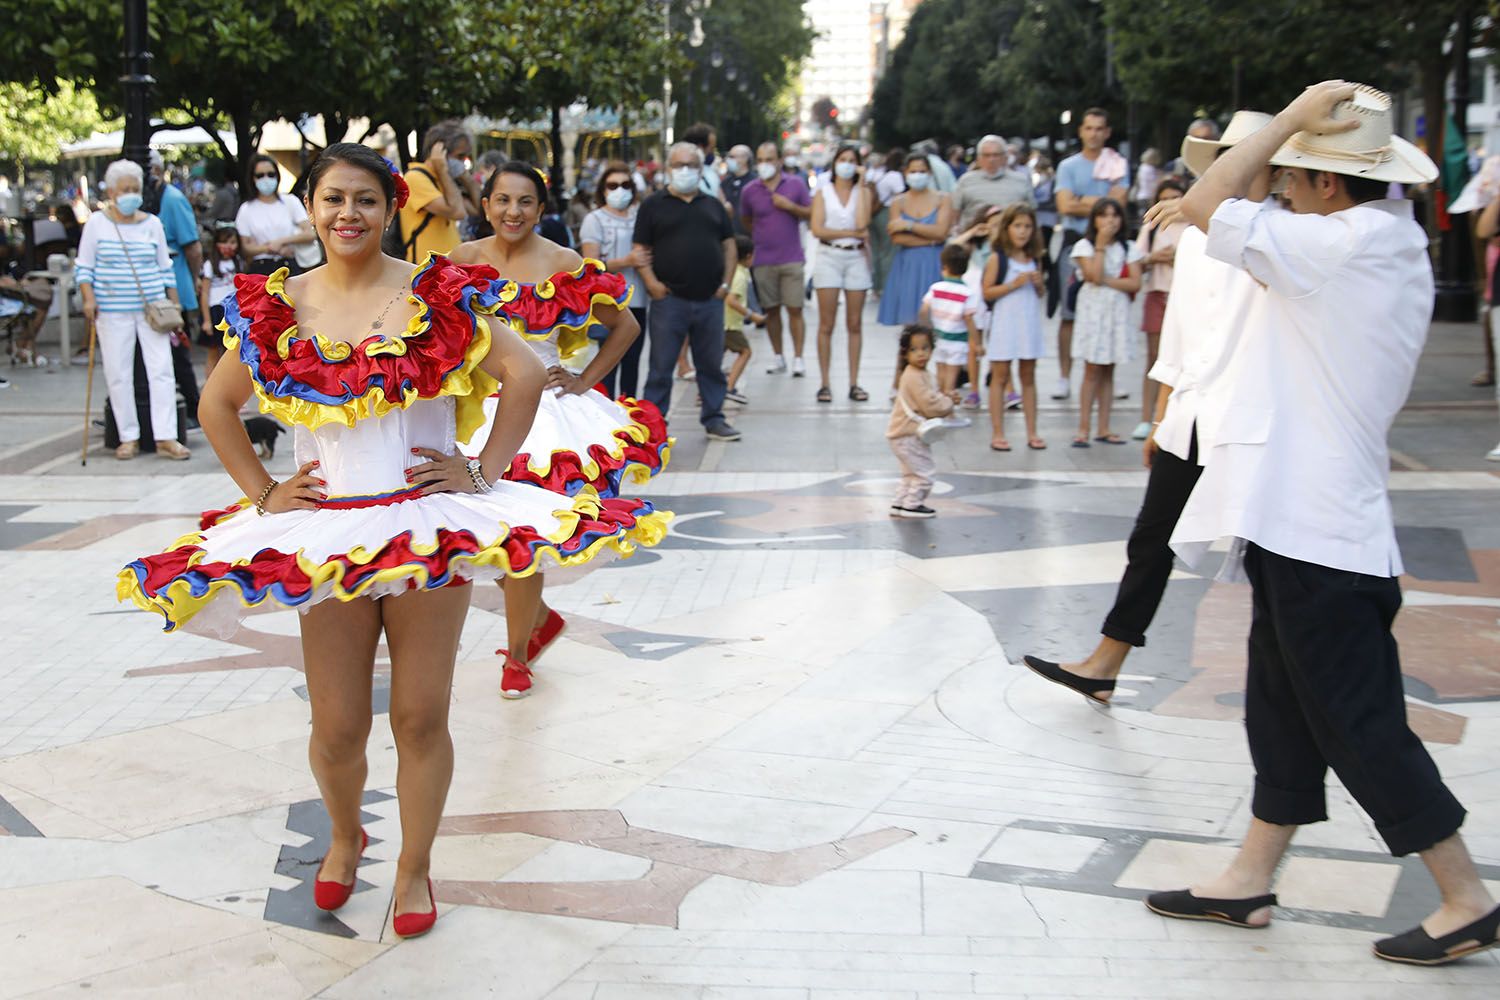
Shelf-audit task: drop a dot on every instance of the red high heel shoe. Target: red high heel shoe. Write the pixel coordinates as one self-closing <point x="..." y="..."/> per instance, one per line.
<point x="332" y="895"/>
<point x="408" y="925"/>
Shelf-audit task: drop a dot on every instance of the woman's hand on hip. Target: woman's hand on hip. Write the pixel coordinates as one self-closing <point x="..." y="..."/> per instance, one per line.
<point x="559" y="377"/>
<point x="441" y="473"/>
<point x="304" y="491"/>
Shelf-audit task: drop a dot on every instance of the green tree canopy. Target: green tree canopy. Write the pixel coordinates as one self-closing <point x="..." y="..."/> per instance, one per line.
<point x="34" y="122"/>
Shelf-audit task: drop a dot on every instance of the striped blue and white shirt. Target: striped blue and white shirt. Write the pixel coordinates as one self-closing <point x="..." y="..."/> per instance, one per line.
<point x="102" y="262"/>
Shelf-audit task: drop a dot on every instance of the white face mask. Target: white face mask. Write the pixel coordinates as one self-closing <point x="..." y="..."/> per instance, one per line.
<point x="766" y="170"/>
<point x="619" y="198"/>
<point x="918" y="181"/>
<point x="845" y="169"/>
<point x="791" y="162"/>
<point x="685" y="179"/>
<point x="266" y="185"/>
<point x="738" y="167"/>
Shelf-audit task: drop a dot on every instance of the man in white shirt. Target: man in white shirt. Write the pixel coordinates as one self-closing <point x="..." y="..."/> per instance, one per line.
<point x="1205" y="315"/>
<point x="1297" y="479"/>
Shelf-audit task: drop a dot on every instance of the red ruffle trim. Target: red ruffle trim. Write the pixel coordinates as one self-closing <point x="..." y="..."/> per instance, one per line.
<point x="571" y="300"/>
<point x="430" y="355"/>
<point x="566" y="473"/>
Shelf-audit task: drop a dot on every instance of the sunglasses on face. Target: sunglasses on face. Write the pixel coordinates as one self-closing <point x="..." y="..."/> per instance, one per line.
<point x="617" y="185"/>
<point x="259" y="176"/>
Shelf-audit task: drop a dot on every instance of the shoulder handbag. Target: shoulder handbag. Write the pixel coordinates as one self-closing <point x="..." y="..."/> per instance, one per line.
<point x="162" y="315"/>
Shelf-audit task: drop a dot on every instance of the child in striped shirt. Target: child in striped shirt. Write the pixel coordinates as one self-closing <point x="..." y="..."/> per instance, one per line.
<point x="949" y="307"/>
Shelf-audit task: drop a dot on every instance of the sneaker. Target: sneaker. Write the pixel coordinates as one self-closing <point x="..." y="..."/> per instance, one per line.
<point x="971" y="401"/>
<point x="1063" y="389"/>
<point x="1142" y="430"/>
<point x="798" y="368"/>
<point x="896" y="510"/>
<point x="722" y="430"/>
<point x="920" y="510"/>
<point x="172" y="451"/>
<point x="4" y="382"/>
<point x="1013" y="401"/>
<point x="1494" y="454"/>
<point x="735" y="396"/>
<point x="80" y="357"/>
<point x="687" y="376"/>
<point x="956" y="421"/>
<point x="542" y="637"/>
<point x="515" y="680"/>
<point x="778" y="365"/>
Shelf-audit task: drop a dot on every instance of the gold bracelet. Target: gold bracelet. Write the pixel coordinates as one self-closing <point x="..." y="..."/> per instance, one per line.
<point x="265" y="494"/>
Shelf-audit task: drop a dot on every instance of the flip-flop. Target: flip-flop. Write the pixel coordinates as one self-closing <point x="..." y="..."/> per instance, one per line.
<point x="1110" y="439"/>
<point x="1181" y="904"/>
<point x="1004" y="446"/>
<point x="857" y="394"/>
<point x="1037" y="444"/>
<point x="1089" y="687"/>
<point x="1080" y="442"/>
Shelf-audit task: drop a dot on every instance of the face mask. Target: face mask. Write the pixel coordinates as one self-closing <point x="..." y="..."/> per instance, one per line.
<point x="455" y="167"/>
<point x="791" y="162"/>
<point x="128" y="204"/>
<point x="685" y="179"/>
<point x="766" y="170"/>
<point x="618" y="198"/>
<point x="738" y="168"/>
<point x="918" y="181"/>
<point x="266" y="185"/>
<point x="844" y="169"/>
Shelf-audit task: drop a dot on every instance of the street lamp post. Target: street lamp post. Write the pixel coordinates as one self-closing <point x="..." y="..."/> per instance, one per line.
<point x="137" y="82"/>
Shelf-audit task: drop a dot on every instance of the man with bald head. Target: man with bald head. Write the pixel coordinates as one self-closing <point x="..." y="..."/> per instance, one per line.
<point x="992" y="181"/>
<point x="737" y="160"/>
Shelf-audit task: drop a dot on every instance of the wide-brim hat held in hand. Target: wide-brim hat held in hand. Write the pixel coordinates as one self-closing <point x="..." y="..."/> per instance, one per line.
<point x="1372" y="149"/>
<point x="1198" y="154"/>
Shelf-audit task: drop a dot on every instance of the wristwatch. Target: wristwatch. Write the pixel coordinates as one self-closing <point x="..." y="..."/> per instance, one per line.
<point x="481" y="485"/>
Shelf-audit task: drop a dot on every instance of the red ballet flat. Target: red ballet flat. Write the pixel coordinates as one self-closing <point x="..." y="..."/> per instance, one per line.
<point x="542" y="637"/>
<point x="332" y="895"/>
<point x="409" y="925"/>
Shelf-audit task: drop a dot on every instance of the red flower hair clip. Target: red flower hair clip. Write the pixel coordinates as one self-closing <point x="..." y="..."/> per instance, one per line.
<point x="402" y="191"/>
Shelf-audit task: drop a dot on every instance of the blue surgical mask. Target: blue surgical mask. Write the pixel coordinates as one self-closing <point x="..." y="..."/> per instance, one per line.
<point x="128" y="203"/>
<point x="619" y="199"/>
<point x="266" y="185"/>
<point x="455" y="167"/>
<point x="845" y="169"/>
<point x="918" y="180"/>
<point x="685" y="179"/>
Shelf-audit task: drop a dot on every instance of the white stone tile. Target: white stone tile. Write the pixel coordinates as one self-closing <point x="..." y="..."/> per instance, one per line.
<point x="888" y="903"/>
<point x="562" y="862"/>
<point x="971" y="906"/>
<point x="785" y="776"/>
<point x="1173" y="864"/>
<point x="814" y="727"/>
<point x="739" y="820"/>
<point x="939" y="846"/>
<point x="1355" y="887"/>
<point x="1061" y="852"/>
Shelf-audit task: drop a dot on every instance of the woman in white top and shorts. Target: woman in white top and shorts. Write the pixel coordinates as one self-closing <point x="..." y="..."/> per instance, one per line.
<point x="840" y="223"/>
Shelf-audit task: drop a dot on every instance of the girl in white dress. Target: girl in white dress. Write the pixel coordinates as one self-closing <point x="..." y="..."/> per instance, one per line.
<point x="1110" y="266"/>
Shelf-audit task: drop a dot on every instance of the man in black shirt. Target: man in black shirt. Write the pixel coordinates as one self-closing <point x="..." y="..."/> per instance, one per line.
<point x="692" y="255"/>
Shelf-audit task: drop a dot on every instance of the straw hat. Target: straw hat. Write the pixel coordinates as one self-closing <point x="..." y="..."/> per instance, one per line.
<point x="1372" y="150"/>
<point x="1198" y="154"/>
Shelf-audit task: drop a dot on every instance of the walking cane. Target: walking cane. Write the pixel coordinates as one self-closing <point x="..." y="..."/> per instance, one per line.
<point x="88" y="398"/>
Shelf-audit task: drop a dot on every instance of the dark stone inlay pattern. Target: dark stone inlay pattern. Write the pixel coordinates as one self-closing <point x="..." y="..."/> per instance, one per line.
<point x="14" y="535"/>
<point x="1413" y="897"/>
<point x="294" y="907"/>
<point x="15" y="824"/>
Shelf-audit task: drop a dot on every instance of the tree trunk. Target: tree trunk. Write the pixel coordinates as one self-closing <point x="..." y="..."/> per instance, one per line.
<point x="245" y="141"/>
<point x="556" y="171"/>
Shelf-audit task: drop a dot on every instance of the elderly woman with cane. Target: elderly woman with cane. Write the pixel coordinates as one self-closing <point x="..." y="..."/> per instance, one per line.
<point x="129" y="298"/>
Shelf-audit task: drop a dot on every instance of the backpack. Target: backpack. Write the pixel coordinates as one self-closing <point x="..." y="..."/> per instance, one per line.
<point x="393" y="242"/>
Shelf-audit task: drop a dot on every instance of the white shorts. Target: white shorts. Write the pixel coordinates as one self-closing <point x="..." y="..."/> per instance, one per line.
<point x="951" y="352"/>
<point x="841" y="267"/>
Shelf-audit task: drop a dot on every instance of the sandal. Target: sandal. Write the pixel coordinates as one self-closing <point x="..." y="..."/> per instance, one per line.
<point x="1089" y="687"/>
<point x="1483" y="380"/>
<point x="857" y="394"/>
<point x="1110" y="439"/>
<point x="1037" y="444"/>
<point x="825" y="395"/>
<point x="1080" y="442"/>
<point x="1000" y="444"/>
<point x="1183" y="905"/>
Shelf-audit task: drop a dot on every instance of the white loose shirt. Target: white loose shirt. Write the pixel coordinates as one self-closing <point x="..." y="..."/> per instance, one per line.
<point x="1325" y="361"/>
<point x="1205" y="315"/>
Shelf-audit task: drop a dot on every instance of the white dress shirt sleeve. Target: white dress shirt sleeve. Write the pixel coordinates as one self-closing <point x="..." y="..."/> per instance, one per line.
<point x="1292" y="253"/>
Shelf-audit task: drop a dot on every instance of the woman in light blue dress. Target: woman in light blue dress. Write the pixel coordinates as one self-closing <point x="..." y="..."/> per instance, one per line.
<point x="919" y="223"/>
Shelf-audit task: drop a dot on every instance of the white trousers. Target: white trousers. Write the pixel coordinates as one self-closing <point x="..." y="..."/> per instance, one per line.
<point x="119" y="332"/>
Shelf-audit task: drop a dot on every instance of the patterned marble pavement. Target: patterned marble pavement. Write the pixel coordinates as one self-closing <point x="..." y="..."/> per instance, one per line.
<point x="785" y="755"/>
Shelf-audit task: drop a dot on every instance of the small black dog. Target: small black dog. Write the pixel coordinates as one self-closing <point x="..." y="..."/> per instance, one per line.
<point x="263" y="432"/>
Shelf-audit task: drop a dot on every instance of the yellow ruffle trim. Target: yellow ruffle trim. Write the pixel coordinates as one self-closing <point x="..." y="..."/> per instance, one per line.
<point x="179" y="603"/>
<point x="469" y="383"/>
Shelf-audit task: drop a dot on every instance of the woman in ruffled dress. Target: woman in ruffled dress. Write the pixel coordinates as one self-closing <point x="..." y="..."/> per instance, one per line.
<point x="581" y="439"/>
<point x="385" y="523"/>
